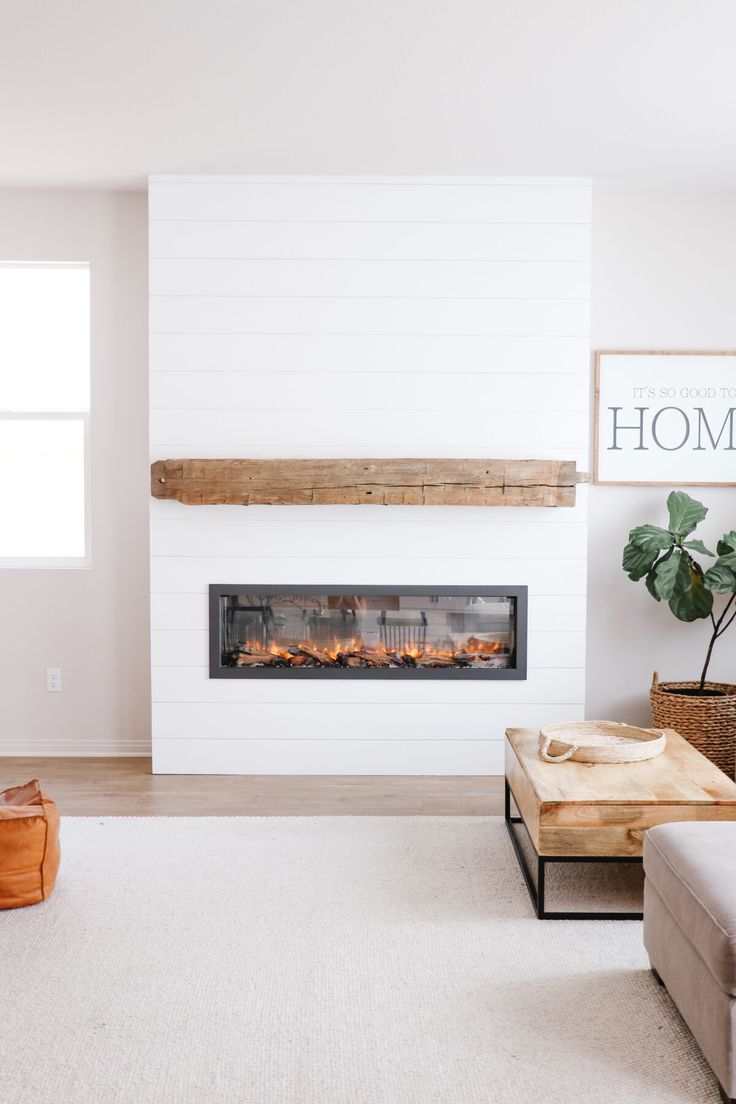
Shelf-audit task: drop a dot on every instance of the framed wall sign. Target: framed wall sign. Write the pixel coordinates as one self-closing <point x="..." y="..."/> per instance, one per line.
<point x="665" y="418"/>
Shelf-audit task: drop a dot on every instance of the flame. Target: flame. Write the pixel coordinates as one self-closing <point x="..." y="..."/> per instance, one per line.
<point x="472" y="645"/>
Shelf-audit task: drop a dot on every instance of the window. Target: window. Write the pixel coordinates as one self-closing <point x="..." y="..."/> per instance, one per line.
<point x="44" y="414"/>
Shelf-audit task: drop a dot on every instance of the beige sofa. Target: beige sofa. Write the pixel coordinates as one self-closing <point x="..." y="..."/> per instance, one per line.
<point x="690" y="932"/>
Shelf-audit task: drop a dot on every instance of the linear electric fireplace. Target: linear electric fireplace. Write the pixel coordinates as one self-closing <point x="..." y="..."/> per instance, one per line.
<point x="303" y="632"/>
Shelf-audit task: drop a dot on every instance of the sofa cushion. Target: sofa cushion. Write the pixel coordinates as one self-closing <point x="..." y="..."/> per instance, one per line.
<point x="29" y="846"/>
<point x="692" y="866"/>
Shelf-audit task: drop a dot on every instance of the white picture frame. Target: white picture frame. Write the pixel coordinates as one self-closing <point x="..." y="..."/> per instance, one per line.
<point x="664" y="418"/>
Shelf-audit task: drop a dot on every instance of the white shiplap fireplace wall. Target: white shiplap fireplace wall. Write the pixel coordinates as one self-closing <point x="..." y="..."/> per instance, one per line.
<point x="311" y="317"/>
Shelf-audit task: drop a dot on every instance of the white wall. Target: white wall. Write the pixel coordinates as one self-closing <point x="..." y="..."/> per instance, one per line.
<point x="91" y="623"/>
<point x="302" y="318"/>
<point x="663" y="278"/>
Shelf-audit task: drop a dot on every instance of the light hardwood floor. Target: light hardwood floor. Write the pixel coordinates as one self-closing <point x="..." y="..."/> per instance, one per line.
<point x="126" y="787"/>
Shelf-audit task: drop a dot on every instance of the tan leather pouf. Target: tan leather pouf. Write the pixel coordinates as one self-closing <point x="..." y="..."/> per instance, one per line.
<point x="29" y="846"/>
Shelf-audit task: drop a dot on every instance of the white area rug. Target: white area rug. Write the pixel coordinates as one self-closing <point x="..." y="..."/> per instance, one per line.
<point x="331" y="960"/>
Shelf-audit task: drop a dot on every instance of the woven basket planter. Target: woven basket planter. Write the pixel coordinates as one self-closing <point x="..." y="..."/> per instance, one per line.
<point x="709" y="724"/>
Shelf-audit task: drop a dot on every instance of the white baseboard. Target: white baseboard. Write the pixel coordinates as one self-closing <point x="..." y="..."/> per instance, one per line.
<point x="26" y="749"/>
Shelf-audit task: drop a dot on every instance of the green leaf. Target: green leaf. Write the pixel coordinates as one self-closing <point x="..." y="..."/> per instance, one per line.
<point x="698" y="546"/>
<point x="638" y="561"/>
<point x="691" y="599"/>
<point x="650" y="580"/>
<point x="720" y="578"/>
<point x="666" y="575"/>
<point x="650" y="538"/>
<point x="727" y="544"/>
<point x="685" y="513"/>
<point x="645" y="544"/>
<point x="693" y="605"/>
<point x="729" y="560"/>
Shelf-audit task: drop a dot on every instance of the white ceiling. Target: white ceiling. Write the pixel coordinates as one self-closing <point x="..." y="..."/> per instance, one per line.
<point x="103" y="92"/>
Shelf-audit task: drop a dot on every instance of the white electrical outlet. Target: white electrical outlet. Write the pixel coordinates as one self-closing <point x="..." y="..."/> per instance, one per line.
<point x="53" y="680"/>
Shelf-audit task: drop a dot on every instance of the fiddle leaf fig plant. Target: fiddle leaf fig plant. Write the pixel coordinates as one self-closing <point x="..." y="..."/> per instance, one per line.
<point x="664" y="559"/>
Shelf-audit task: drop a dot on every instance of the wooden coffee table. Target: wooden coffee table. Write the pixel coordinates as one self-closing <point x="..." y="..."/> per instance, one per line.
<point x="582" y="812"/>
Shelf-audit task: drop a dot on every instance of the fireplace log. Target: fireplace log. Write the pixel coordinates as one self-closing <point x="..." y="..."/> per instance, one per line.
<point x="479" y="655"/>
<point x="314" y="653"/>
<point x="263" y="658"/>
<point x="250" y="650"/>
<point x="395" y="658"/>
<point x="376" y="659"/>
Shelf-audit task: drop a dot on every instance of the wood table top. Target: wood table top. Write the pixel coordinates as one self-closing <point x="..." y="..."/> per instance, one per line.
<point x="680" y="775"/>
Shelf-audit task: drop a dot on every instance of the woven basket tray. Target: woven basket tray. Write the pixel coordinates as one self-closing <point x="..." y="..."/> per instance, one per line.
<point x="599" y="742"/>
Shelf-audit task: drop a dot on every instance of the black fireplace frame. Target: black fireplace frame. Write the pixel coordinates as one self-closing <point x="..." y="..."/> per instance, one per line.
<point x="517" y="671"/>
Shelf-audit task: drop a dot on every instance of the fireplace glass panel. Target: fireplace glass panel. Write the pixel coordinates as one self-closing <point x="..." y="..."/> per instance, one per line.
<point x="374" y="632"/>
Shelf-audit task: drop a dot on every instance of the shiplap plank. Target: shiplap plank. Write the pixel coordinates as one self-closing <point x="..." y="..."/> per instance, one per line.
<point x="284" y="756"/>
<point x="232" y="535"/>
<point x="370" y="279"/>
<point x="304" y="315"/>
<point x="369" y="202"/>
<point x="193" y="684"/>
<point x="457" y="241"/>
<point x="343" y="722"/>
<point x="191" y="611"/>
<point x="544" y="573"/>
<point x="324" y="391"/>
<point x="427" y="516"/>
<point x="373" y="353"/>
<point x="407" y="434"/>
<point x="190" y="648"/>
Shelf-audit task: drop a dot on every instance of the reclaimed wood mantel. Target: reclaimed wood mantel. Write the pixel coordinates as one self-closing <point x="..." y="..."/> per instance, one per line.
<point x="396" y="482"/>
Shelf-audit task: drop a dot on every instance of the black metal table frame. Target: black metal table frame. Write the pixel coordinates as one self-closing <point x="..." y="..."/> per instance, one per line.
<point x="537" y="888"/>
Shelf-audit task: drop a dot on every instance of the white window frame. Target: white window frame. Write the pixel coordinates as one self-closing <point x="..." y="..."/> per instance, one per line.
<point x="84" y="416"/>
